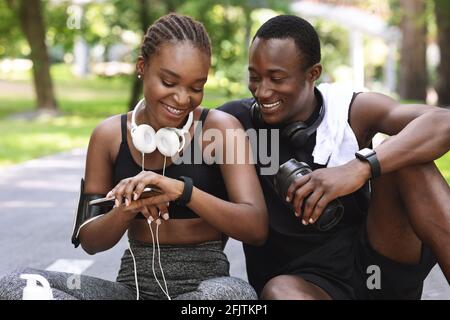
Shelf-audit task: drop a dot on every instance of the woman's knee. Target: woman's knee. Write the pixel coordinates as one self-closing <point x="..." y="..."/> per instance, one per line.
<point x="11" y="285"/>
<point x="227" y="288"/>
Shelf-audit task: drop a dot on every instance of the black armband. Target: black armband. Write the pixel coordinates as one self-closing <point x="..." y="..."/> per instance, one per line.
<point x="86" y="213"/>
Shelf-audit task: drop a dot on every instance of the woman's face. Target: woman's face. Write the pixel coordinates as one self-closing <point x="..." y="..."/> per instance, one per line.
<point x="174" y="78"/>
<point x="278" y="82"/>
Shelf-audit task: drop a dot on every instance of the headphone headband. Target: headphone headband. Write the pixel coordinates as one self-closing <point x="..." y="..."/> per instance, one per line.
<point x="133" y="115"/>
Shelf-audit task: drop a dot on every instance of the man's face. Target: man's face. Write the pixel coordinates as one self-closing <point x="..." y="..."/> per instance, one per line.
<point x="278" y="81"/>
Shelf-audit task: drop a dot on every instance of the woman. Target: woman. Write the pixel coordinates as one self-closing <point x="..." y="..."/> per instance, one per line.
<point x="224" y="199"/>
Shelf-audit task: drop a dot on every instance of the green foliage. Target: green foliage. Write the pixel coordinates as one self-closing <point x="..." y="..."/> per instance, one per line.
<point x="12" y="44"/>
<point x="334" y="42"/>
<point x="229" y="24"/>
<point x="58" y="34"/>
<point x="443" y="164"/>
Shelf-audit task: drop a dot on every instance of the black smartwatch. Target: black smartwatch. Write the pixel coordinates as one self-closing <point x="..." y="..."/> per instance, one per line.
<point x="185" y="197"/>
<point x="370" y="156"/>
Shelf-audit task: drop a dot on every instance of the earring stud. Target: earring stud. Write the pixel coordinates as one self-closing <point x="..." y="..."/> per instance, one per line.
<point x="139" y="76"/>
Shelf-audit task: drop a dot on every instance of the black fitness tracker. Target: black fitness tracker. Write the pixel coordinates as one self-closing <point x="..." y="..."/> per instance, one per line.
<point x="370" y="156"/>
<point x="185" y="197"/>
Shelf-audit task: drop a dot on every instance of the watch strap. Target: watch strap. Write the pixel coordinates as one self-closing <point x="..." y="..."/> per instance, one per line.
<point x="372" y="160"/>
<point x="185" y="197"/>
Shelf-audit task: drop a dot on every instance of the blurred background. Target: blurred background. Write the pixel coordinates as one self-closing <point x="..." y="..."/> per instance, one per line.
<point x="67" y="65"/>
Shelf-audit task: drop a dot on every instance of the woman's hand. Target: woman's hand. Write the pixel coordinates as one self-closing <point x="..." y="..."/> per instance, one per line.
<point x="129" y="190"/>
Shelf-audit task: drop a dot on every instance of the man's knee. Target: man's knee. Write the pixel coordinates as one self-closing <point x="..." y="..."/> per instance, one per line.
<point x="288" y="287"/>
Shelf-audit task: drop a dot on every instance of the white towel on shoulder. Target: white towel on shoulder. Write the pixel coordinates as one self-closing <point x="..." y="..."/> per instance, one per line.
<point x="336" y="142"/>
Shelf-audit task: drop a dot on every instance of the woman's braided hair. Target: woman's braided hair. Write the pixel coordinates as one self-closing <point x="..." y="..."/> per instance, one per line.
<point x="173" y="28"/>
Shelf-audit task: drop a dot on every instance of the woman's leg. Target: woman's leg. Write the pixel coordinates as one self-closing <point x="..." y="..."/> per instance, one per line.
<point x="66" y="286"/>
<point x="223" y="288"/>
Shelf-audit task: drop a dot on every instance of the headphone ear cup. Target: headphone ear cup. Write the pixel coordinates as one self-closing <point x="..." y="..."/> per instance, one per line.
<point x="257" y="119"/>
<point x="295" y="134"/>
<point x="167" y="141"/>
<point x="143" y="138"/>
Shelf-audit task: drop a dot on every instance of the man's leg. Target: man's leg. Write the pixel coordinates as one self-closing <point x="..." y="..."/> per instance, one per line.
<point x="291" y="287"/>
<point x="407" y="207"/>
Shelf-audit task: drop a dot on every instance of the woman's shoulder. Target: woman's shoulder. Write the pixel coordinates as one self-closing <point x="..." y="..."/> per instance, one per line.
<point x="108" y="128"/>
<point x="106" y="138"/>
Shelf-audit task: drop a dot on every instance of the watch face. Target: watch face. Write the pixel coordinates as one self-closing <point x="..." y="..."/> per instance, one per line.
<point x="366" y="152"/>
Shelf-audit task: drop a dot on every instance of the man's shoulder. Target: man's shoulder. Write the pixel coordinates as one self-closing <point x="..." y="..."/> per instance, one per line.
<point x="240" y="109"/>
<point x="237" y="106"/>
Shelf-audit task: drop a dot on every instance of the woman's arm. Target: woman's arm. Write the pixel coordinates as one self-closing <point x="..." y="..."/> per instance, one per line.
<point x="103" y="233"/>
<point x="244" y="216"/>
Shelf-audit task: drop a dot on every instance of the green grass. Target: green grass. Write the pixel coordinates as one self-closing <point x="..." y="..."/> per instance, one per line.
<point x="22" y="140"/>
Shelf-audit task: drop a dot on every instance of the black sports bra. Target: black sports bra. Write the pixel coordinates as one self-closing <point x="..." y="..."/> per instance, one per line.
<point x="205" y="177"/>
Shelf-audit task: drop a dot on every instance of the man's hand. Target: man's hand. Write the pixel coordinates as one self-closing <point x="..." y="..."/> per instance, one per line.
<point x="324" y="185"/>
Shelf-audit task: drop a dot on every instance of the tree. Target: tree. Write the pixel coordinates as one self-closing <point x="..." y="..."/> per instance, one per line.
<point x="442" y="12"/>
<point x="33" y="27"/>
<point x="413" y="70"/>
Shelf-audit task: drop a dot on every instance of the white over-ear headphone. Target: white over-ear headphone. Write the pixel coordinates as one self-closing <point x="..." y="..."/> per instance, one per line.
<point x="167" y="140"/>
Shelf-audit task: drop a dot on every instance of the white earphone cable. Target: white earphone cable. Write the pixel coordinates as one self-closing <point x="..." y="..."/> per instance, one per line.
<point x="164" y="166"/>
<point x="166" y="292"/>
<point x="157" y="243"/>
<point x="135" y="272"/>
<point x="159" y="261"/>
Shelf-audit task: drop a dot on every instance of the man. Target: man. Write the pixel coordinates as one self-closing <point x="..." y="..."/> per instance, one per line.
<point x="382" y="248"/>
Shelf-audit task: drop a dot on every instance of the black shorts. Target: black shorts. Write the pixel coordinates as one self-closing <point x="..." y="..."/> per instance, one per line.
<point x="347" y="267"/>
<point x="396" y="281"/>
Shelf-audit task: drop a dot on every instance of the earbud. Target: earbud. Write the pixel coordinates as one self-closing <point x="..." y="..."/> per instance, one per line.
<point x="166" y="140"/>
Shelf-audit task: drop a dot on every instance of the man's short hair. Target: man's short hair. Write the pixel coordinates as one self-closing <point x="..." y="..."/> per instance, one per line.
<point x="303" y="33"/>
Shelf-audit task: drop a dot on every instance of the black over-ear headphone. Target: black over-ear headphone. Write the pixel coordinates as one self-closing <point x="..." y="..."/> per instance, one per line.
<point x="297" y="133"/>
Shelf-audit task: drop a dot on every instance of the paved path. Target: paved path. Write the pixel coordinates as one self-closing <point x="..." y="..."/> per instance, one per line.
<point x="37" y="207"/>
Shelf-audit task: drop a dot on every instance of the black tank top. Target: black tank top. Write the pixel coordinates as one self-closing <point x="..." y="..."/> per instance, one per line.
<point x="206" y="177"/>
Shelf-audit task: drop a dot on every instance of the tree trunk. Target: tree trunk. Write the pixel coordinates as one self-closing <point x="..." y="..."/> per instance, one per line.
<point x="32" y="24"/>
<point x="136" y="89"/>
<point x="413" y="70"/>
<point x="442" y="10"/>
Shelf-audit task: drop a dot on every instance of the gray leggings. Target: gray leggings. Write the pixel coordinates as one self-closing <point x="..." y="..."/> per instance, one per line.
<point x="192" y="272"/>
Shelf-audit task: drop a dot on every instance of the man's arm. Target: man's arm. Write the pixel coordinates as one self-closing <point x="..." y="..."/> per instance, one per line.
<point x="419" y="133"/>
